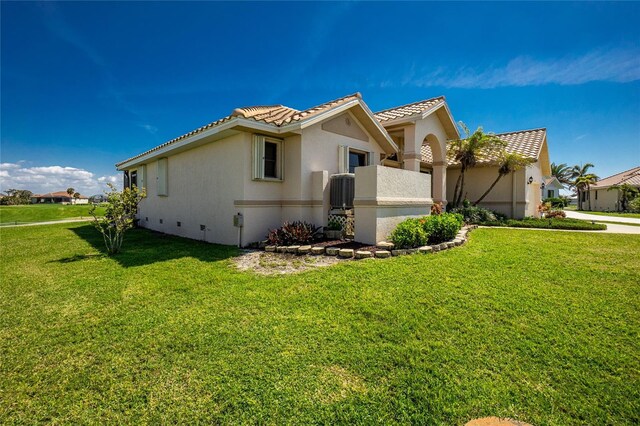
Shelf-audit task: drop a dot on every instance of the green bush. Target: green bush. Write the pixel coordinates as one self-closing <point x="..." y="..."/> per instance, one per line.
<point x="433" y="229"/>
<point x="634" y="205"/>
<point x="557" y="202"/>
<point x="442" y="227"/>
<point x="409" y="233"/>
<point x="473" y="214"/>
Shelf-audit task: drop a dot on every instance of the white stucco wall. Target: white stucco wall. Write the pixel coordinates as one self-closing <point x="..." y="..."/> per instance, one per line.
<point x="386" y="196"/>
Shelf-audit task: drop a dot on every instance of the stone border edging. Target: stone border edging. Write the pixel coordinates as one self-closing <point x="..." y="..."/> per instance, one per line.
<point x="386" y="249"/>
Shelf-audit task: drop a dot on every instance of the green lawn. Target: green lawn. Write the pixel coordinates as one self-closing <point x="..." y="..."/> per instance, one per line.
<point x="43" y="212"/>
<point x="618" y="214"/>
<point x="539" y="326"/>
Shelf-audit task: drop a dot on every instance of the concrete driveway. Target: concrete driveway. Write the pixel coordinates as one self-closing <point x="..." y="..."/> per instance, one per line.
<point x="612" y="228"/>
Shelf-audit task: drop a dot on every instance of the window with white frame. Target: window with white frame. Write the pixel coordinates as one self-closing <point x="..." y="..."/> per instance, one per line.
<point x="267" y="158"/>
<point x="350" y="158"/>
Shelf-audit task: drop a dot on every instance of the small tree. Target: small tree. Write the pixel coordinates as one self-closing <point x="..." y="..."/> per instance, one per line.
<point x="467" y="151"/>
<point x="76" y="195"/>
<point x="626" y="193"/>
<point x="582" y="180"/>
<point x="70" y="191"/>
<point x="509" y="163"/>
<point x="119" y="216"/>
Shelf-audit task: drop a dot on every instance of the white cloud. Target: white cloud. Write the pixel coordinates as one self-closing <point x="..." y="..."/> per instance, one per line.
<point x="615" y="65"/>
<point x="42" y="179"/>
<point x="149" y="128"/>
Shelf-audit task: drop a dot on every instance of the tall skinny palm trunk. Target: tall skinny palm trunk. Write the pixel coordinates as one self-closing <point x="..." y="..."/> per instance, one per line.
<point x="488" y="190"/>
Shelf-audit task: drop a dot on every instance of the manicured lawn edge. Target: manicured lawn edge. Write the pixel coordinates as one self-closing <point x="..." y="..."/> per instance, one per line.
<point x="569" y="224"/>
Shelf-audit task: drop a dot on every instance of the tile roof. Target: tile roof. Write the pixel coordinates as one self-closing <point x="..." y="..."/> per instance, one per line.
<point x="524" y="142"/>
<point x="631" y="177"/>
<point x="275" y="115"/>
<point x="58" y="194"/>
<point x="407" y="110"/>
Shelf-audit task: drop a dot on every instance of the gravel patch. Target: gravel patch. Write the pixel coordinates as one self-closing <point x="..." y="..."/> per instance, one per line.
<point x="265" y="263"/>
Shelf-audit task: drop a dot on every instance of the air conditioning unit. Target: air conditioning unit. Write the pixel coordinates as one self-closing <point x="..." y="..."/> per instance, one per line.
<point x="342" y="189"/>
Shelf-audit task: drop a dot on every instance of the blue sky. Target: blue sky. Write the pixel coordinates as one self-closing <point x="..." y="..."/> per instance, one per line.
<point x="85" y="85"/>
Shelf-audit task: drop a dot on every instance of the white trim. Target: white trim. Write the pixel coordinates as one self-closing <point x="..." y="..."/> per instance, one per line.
<point x="257" y="159"/>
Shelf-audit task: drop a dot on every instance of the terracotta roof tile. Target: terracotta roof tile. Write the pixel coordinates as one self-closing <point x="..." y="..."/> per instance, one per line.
<point x="525" y="142"/>
<point x="58" y="194"/>
<point x="630" y="177"/>
<point x="407" y="110"/>
<point x="275" y="115"/>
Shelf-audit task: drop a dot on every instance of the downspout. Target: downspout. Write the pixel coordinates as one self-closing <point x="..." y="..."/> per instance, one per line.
<point x="513" y="195"/>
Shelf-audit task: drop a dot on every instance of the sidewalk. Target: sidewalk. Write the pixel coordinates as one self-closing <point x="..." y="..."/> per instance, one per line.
<point x="51" y="222"/>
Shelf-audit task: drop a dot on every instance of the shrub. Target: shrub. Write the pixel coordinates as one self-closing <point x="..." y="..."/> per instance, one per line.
<point x="634" y="205"/>
<point x="477" y="214"/>
<point x="557" y="202"/>
<point x="443" y="227"/>
<point x="575" y="224"/>
<point x="559" y="214"/>
<point x="291" y="233"/>
<point x="409" y="233"/>
<point x="334" y="225"/>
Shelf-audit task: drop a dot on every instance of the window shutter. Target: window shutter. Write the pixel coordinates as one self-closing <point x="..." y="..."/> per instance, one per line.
<point x="142" y="177"/>
<point x="125" y="179"/>
<point x="258" y="157"/>
<point x="162" y="177"/>
<point x="343" y="159"/>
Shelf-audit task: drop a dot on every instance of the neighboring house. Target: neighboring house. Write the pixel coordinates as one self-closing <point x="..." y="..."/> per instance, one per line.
<point x="517" y="195"/>
<point x="551" y="187"/>
<point x="604" y="199"/>
<point x="61" y="197"/>
<point x="234" y="179"/>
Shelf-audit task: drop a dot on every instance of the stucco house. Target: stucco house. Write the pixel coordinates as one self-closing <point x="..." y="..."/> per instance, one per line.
<point x="61" y="197"/>
<point x="551" y="187"/>
<point x="517" y="195"/>
<point x="233" y="179"/>
<point x="603" y="199"/>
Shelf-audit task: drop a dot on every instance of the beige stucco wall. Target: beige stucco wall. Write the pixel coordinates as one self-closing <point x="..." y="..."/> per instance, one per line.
<point x="386" y="196"/>
<point x="211" y="183"/>
<point x="607" y="200"/>
<point x="201" y="190"/>
<point x="510" y="188"/>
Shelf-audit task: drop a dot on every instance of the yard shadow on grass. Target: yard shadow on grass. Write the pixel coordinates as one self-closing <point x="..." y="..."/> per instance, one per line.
<point x="143" y="247"/>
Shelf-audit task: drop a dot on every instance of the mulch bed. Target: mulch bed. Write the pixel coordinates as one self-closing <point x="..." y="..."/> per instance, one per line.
<point x="345" y="244"/>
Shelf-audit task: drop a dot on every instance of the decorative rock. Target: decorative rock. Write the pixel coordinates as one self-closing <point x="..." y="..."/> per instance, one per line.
<point x="383" y="245"/>
<point x="425" y="249"/>
<point x="363" y="254"/>
<point x="345" y="253"/>
<point x="317" y="250"/>
<point x="412" y="251"/>
<point x="292" y="249"/>
<point x="383" y="254"/>
<point x="304" y="249"/>
<point x="450" y="244"/>
<point x="263" y="244"/>
<point x="270" y="248"/>
<point x="435" y="248"/>
<point x="398" y="252"/>
<point x="281" y="249"/>
<point x="443" y="246"/>
<point x="458" y="241"/>
<point x="332" y="251"/>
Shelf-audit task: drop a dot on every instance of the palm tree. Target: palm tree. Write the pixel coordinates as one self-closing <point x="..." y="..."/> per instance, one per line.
<point x="467" y="151"/>
<point x="626" y="193"/>
<point x="70" y="191"/>
<point x="562" y="172"/>
<point x="582" y="180"/>
<point x="509" y="162"/>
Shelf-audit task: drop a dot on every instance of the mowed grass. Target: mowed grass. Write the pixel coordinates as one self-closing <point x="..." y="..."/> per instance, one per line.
<point x="537" y="326"/>
<point x="44" y="212"/>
